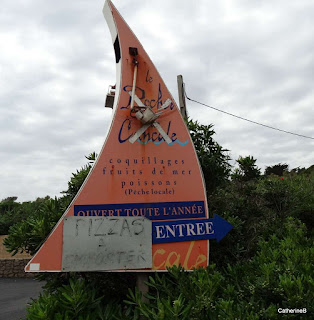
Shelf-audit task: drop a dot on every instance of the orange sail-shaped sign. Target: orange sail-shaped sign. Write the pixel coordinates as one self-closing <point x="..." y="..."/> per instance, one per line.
<point x="147" y="169"/>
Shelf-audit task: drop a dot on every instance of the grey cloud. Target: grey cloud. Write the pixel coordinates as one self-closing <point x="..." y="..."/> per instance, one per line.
<point x="251" y="58"/>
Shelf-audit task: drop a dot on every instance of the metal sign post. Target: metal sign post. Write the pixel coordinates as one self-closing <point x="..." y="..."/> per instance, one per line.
<point x="181" y="94"/>
<point x="141" y="278"/>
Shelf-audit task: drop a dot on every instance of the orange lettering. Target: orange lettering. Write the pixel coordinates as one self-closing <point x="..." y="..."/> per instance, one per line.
<point x="176" y="261"/>
<point x="161" y="252"/>
<point x="200" y="259"/>
<point x="186" y="260"/>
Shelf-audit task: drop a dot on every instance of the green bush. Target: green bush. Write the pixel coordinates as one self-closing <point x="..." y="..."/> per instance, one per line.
<point x="247" y="170"/>
<point x="264" y="263"/>
<point x="76" y="301"/>
<point x="28" y="234"/>
<point x="213" y="158"/>
<point x="257" y="209"/>
<point x="12" y="212"/>
<point x="281" y="275"/>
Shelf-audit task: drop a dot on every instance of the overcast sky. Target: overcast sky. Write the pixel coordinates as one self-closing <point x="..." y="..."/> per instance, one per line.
<point x="251" y="58"/>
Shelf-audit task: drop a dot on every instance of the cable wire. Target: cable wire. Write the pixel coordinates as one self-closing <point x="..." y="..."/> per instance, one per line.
<point x="248" y="120"/>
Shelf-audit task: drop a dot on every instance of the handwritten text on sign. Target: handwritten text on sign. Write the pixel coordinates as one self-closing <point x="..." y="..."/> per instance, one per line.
<point x="106" y="243"/>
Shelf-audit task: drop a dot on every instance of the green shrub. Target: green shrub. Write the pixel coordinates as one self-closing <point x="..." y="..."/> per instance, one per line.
<point x="257" y="209"/>
<point x="280" y="275"/>
<point x="213" y="157"/>
<point x="264" y="263"/>
<point x="12" y="212"/>
<point x="76" y="301"/>
<point x="28" y="234"/>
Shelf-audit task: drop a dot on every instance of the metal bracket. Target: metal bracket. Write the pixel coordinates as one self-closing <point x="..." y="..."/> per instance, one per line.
<point x="148" y="117"/>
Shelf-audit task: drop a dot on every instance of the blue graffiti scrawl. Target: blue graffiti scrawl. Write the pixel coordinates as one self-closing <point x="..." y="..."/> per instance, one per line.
<point x="127" y="131"/>
<point x="159" y="142"/>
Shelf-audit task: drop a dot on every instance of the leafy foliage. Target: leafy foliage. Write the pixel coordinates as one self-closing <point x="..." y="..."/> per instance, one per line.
<point x="279" y="275"/>
<point x="12" y="212"/>
<point x="247" y="170"/>
<point x="264" y="263"/>
<point x="40" y="216"/>
<point x="27" y="235"/>
<point x="76" y="301"/>
<point x="79" y="177"/>
<point x="212" y="157"/>
<point x="257" y="210"/>
<point x="8" y="213"/>
<point x="278" y="169"/>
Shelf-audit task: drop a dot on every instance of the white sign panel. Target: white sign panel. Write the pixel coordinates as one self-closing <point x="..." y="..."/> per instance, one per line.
<point x="106" y="243"/>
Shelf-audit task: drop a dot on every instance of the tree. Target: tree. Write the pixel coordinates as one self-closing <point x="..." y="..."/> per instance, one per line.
<point x="40" y="217"/>
<point x="8" y="213"/>
<point x="278" y="169"/>
<point x="79" y="177"/>
<point x="12" y="212"/>
<point x="263" y="264"/>
<point x="212" y="157"/>
<point x="247" y="170"/>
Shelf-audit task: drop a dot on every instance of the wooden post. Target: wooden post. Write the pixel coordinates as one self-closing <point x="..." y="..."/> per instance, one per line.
<point x="182" y="97"/>
<point x="141" y="278"/>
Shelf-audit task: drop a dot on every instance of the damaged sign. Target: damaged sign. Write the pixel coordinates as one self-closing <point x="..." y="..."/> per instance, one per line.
<point x="106" y="243"/>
